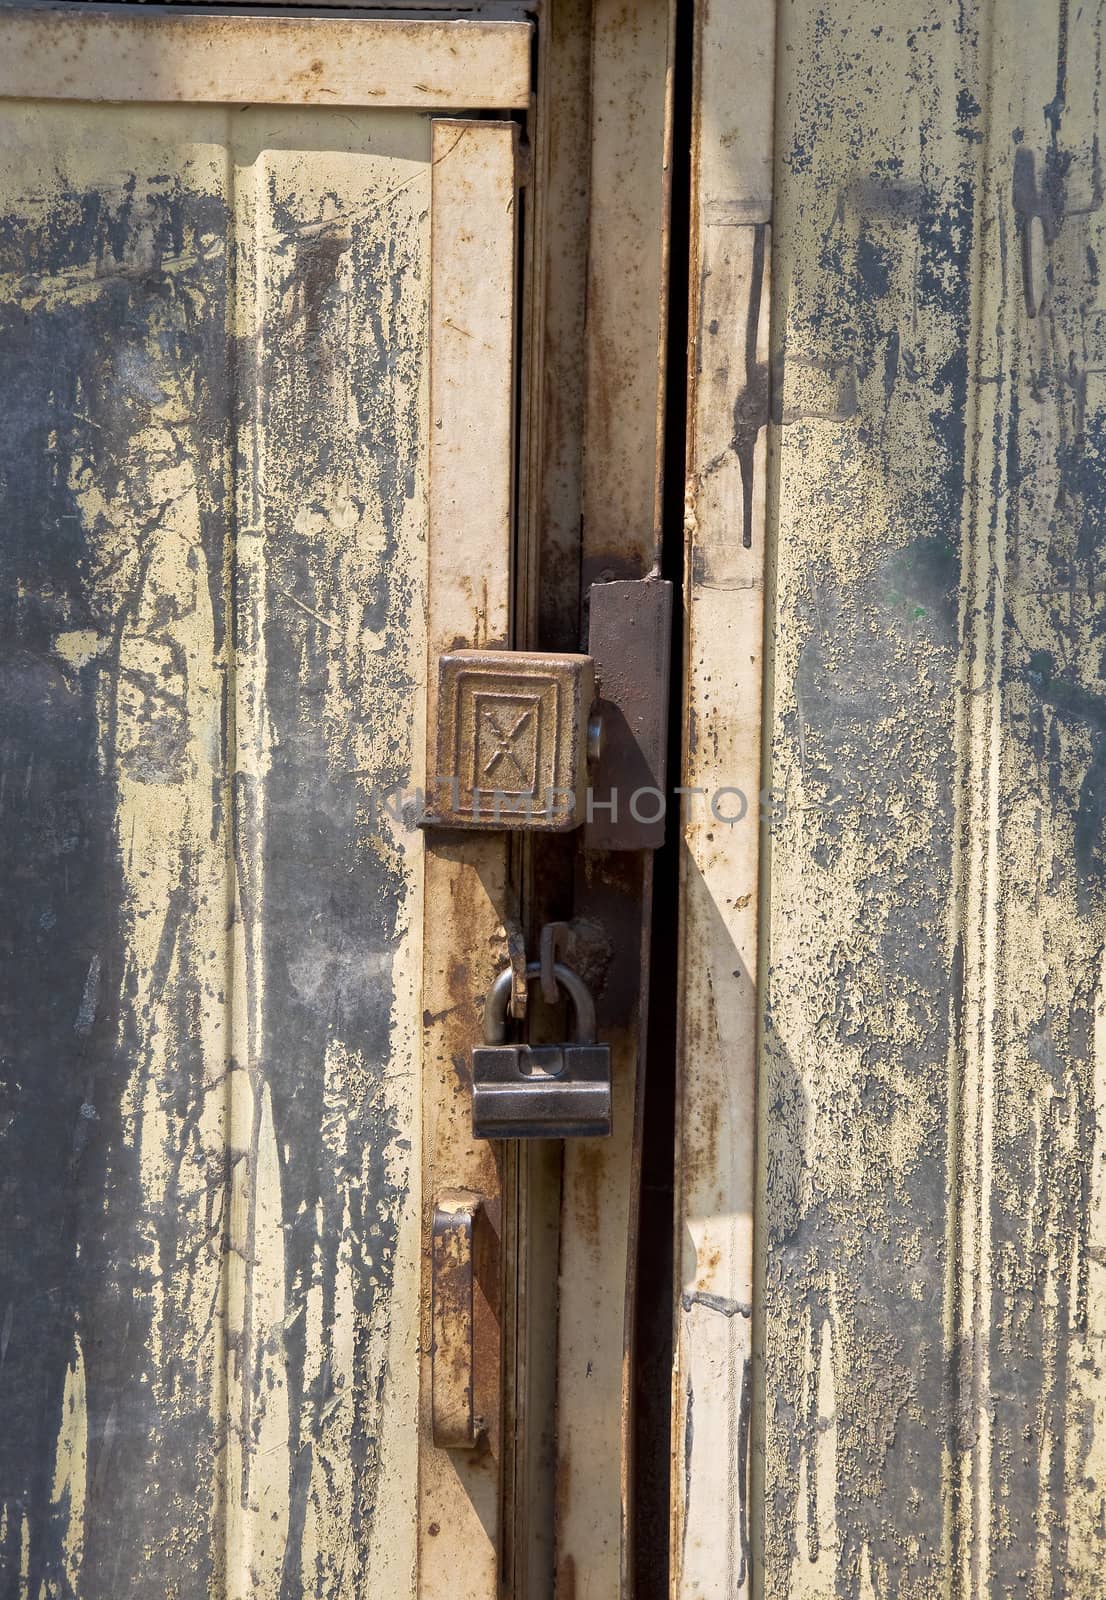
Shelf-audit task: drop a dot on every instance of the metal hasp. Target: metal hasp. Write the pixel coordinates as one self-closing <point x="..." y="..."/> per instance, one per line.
<point x="630" y="642"/>
<point x="512" y="741"/>
<point x="523" y="743"/>
<point x="554" y="1091"/>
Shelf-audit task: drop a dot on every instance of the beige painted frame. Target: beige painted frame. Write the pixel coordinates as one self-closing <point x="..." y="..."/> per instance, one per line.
<point x="466" y="881"/>
<point x="725" y="536"/>
<point x="117" y="53"/>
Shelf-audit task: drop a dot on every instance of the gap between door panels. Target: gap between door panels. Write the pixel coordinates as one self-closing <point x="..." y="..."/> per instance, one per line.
<point x="653" y="1329"/>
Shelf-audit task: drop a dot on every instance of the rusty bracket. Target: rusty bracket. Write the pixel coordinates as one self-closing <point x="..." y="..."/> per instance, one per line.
<point x="516" y="954"/>
<point x="453" y="1319"/>
<point x="630" y="642"/>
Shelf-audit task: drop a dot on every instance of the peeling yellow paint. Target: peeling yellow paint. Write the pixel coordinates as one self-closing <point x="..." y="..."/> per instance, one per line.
<point x="192" y="826"/>
<point x="931" y="1104"/>
<point x="71" y="1466"/>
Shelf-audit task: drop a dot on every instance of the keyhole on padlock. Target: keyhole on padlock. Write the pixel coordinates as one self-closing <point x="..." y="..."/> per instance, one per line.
<point x="532" y="1067"/>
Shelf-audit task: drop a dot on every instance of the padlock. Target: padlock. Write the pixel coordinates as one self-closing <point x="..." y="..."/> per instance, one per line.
<point x="541" y="1091"/>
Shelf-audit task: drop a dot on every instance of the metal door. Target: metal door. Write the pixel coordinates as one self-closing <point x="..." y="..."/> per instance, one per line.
<point x="893" y="1385"/>
<point x="257" y="281"/>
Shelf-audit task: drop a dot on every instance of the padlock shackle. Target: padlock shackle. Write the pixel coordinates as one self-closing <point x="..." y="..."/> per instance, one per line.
<point x="495" y="1006"/>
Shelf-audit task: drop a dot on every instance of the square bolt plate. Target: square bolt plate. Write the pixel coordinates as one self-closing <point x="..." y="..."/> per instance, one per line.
<point x="512" y="741"/>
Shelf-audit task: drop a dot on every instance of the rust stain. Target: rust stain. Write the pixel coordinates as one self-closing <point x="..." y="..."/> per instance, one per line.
<point x="589" y="1193"/>
<point x="456" y="1421"/>
<point x="565" y="1584"/>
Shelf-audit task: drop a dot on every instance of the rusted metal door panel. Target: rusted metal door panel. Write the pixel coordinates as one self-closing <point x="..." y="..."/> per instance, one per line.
<point x="929" y="1415"/>
<point x="620" y="534"/>
<point x="215" y="453"/>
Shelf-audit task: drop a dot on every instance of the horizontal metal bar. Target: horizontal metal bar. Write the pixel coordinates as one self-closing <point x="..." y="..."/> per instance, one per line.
<point x="114" y="53"/>
<point x="530" y="1111"/>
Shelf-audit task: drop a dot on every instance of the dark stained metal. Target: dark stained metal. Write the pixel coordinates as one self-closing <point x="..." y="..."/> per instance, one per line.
<point x="552" y="936"/>
<point x="629" y="639"/>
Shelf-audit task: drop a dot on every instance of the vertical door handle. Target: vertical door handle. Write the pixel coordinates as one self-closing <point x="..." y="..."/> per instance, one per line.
<point x="453" y="1320"/>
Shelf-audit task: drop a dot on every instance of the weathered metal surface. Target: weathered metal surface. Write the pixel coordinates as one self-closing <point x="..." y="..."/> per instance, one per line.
<point x="625" y="329"/>
<point x="215" y="501"/>
<point x="552" y="357"/>
<point x="931" y="1139"/>
<point x="720" y="814"/>
<point x="214" y="493"/>
<point x="624" y="339"/>
<point x="547" y="595"/>
<point x="512" y="740"/>
<point x="560" y="210"/>
<point x="87" y="52"/>
<point x="516" y="955"/>
<point x="468" y="897"/>
<point x="630" y="640"/>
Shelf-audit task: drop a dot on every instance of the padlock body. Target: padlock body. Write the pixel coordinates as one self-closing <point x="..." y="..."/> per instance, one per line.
<point x="557" y="1091"/>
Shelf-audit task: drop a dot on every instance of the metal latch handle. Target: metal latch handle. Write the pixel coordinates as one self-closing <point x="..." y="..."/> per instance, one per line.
<point x="455" y="1423"/>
